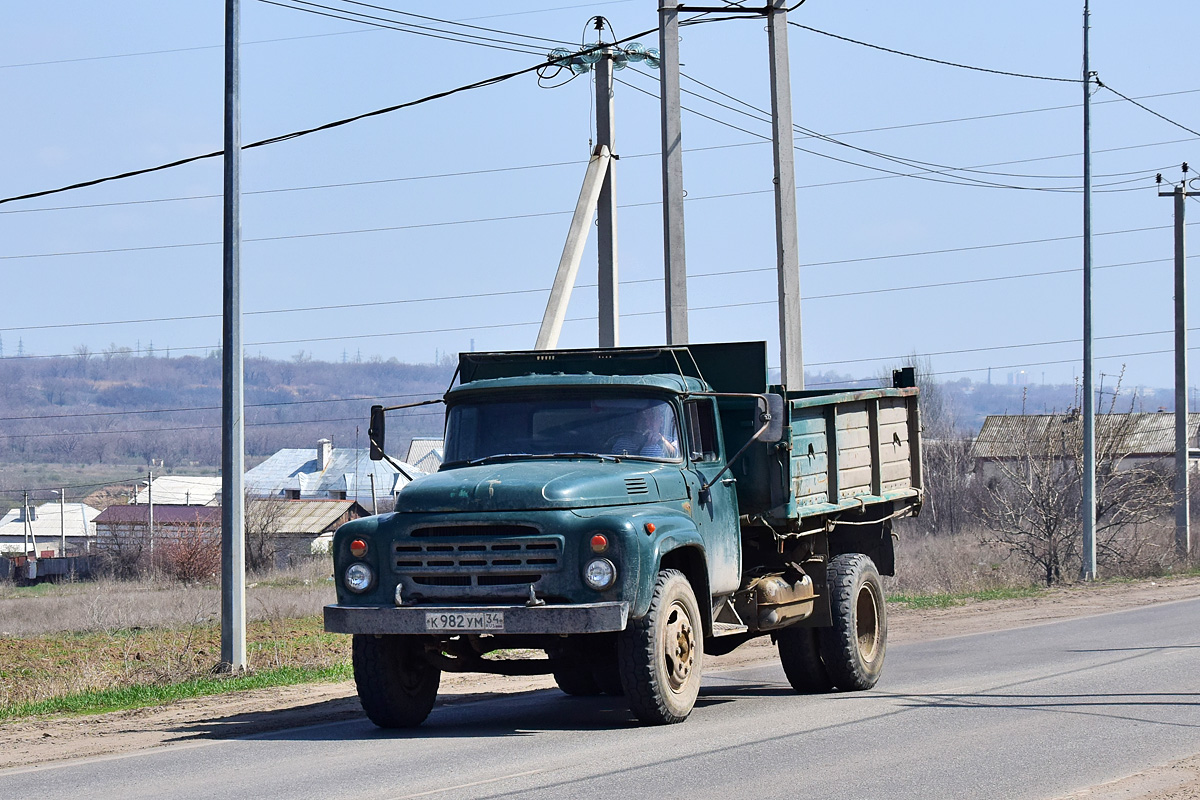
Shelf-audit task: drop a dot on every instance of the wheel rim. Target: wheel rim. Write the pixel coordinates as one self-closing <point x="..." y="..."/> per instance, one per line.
<point x="866" y="623"/>
<point x="679" y="646"/>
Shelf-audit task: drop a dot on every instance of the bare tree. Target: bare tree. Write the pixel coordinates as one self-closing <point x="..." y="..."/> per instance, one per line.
<point x="264" y="518"/>
<point x="193" y="552"/>
<point x="1034" y="503"/>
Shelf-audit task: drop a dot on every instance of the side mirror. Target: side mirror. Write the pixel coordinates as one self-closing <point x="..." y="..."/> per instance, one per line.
<point x="775" y="408"/>
<point x="375" y="433"/>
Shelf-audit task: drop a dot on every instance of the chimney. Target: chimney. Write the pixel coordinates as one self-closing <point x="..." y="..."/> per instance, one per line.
<point x="324" y="454"/>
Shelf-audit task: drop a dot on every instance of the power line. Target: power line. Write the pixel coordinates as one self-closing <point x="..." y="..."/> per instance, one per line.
<point x="304" y="132"/>
<point x="1147" y="109"/>
<point x="936" y="60"/>
<point x="861" y="259"/>
<point x="296" y="38"/>
<point x="118" y="482"/>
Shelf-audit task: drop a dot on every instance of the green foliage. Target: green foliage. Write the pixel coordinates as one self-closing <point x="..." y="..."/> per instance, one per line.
<point x="142" y="695"/>
<point x="946" y="600"/>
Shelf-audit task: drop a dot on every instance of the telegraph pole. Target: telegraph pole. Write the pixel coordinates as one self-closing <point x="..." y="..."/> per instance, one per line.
<point x="233" y="431"/>
<point x="1183" y="536"/>
<point x="62" y="522"/>
<point x="606" y="209"/>
<point x="672" y="167"/>
<point x="787" y="242"/>
<point x="1087" y="570"/>
<point x="150" y="512"/>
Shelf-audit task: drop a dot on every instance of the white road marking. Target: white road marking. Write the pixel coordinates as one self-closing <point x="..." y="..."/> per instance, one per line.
<point x="468" y="785"/>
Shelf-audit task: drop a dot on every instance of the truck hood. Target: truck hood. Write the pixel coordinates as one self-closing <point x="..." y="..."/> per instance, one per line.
<point x="533" y="485"/>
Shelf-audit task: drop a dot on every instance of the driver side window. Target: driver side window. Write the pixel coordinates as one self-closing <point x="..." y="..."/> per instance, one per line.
<point x="701" y="421"/>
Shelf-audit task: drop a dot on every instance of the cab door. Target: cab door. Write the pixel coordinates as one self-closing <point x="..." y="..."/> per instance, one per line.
<point x="715" y="512"/>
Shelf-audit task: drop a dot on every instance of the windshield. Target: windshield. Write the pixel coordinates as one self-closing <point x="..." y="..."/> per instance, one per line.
<point x="637" y="427"/>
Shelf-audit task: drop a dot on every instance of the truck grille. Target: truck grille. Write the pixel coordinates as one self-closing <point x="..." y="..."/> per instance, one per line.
<point x="478" y="563"/>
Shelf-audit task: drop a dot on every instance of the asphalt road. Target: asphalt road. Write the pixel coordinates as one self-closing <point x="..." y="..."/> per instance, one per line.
<point x="1035" y="712"/>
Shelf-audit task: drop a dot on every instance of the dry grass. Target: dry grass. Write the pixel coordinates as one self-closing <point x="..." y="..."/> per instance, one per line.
<point x="959" y="564"/>
<point x="111" y="605"/>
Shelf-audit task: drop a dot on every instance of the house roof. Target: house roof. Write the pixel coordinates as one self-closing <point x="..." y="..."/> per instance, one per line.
<point x="172" y="515"/>
<point x="422" y="446"/>
<point x="182" y="490"/>
<point x="349" y="471"/>
<point x="48" y="522"/>
<point x="311" y="516"/>
<point x="1013" y="435"/>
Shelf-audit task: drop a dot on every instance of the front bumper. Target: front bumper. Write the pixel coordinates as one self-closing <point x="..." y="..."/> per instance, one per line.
<point x="548" y="619"/>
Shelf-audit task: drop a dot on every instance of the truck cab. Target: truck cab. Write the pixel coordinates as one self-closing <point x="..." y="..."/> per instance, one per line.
<point x="623" y="510"/>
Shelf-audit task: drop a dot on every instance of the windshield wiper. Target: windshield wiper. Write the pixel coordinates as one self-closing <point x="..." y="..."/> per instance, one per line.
<point x="499" y="456"/>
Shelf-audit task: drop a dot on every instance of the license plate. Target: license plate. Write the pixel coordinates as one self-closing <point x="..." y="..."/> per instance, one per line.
<point x="468" y="622"/>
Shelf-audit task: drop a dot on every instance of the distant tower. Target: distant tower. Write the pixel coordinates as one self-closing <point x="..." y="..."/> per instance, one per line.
<point x="20" y="347"/>
<point x="1" y="347"/>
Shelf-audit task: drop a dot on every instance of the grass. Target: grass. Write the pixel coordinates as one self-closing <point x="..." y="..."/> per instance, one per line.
<point x="947" y="600"/>
<point x="142" y="695"/>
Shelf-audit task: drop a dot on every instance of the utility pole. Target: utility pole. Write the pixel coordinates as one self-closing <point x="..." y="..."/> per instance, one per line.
<point x="233" y="431"/>
<point x="672" y="168"/>
<point x="150" y="512"/>
<point x="25" y="528"/>
<point x="374" y="501"/>
<point x="606" y="209"/>
<point x="1087" y="570"/>
<point x="786" y="235"/>
<point x="62" y="522"/>
<point x="1183" y="535"/>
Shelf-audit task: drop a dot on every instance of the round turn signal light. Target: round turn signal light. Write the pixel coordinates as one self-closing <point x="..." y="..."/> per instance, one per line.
<point x="599" y="543"/>
<point x="358" y="548"/>
<point x="649" y="527"/>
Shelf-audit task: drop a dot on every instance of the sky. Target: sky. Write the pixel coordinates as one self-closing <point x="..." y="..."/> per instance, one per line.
<point x="451" y="216"/>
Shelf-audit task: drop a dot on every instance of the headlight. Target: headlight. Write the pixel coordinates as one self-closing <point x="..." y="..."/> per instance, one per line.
<point x="359" y="578"/>
<point x="600" y="574"/>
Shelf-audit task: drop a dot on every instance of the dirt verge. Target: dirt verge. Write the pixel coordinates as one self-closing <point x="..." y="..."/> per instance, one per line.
<point x="31" y="742"/>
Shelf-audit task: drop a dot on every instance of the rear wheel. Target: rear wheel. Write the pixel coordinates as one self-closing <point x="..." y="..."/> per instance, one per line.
<point x="801" y="658"/>
<point x="396" y="684"/>
<point x="660" y="656"/>
<point x="852" y="649"/>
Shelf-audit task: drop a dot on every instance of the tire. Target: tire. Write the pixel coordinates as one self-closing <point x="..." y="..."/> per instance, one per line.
<point x="800" y="655"/>
<point x="605" y="670"/>
<point x="853" y="648"/>
<point x="660" y="656"/>
<point x="577" y="682"/>
<point x="396" y="685"/>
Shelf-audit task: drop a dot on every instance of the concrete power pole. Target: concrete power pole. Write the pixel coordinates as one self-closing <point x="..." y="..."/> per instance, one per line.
<point x="62" y="522"/>
<point x="672" y="168"/>
<point x="787" y="244"/>
<point x="233" y="431"/>
<point x="1087" y="570"/>
<point x="1183" y="535"/>
<point x="150" y="512"/>
<point x="606" y="208"/>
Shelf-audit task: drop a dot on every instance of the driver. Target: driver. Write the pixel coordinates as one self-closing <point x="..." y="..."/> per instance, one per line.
<point x="652" y="433"/>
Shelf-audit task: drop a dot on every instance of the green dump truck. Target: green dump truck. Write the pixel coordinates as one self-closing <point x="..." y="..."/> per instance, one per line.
<point x="629" y="511"/>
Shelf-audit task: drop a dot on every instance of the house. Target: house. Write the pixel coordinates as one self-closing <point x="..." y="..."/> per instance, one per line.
<point x="48" y="526"/>
<point x="1136" y="439"/>
<point x="426" y="453"/>
<point x="305" y="527"/>
<point x="329" y="473"/>
<point x="181" y="490"/>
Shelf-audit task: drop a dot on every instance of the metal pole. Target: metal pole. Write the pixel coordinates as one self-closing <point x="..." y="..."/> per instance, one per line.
<point x="672" y="166"/>
<point x="791" y="357"/>
<point x="62" y="522"/>
<point x="374" y="501"/>
<point x="25" y="518"/>
<point x="233" y="431"/>
<point x="606" y="210"/>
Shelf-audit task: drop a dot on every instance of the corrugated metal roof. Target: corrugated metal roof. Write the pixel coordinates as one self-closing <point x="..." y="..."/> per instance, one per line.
<point x="182" y="490"/>
<point x="311" y="516"/>
<point x="349" y="471"/>
<point x="48" y="522"/>
<point x="422" y="446"/>
<point x="1012" y="435"/>
<point x="163" y="515"/>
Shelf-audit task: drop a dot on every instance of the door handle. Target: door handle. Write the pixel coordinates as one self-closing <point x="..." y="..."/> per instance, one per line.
<point x="728" y="481"/>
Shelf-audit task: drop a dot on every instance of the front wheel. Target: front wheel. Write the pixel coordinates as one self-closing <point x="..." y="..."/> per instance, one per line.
<point x="396" y="684"/>
<point x="852" y="649"/>
<point x="660" y="655"/>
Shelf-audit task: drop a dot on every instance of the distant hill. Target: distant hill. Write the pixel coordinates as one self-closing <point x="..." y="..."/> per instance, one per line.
<point x="116" y="408"/>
